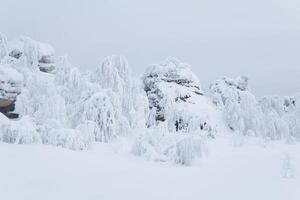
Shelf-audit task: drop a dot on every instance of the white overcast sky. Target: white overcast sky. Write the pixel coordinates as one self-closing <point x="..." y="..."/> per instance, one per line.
<point x="258" y="38"/>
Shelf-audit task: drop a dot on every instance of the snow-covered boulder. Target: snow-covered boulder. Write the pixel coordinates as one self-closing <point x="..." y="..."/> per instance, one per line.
<point x="175" y="96"/>
<point x="11" y="82"/>
<point x="46" y="57"/>
<point x="36" y="54"/>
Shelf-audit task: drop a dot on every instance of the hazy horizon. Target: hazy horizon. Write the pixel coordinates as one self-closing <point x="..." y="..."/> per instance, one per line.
<point x="253" y="38"/>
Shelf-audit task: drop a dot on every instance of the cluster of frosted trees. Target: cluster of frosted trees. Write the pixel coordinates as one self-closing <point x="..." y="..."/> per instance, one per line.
<point x="165" y="114"/>
<point x="66" y="107"/>
<point x="271" y="118"/>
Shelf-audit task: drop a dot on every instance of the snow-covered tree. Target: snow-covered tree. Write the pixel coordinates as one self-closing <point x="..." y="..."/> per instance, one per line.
<point x="3" y="47"/>
<point x="282" y="117"/>
<point x="239" y="105"/>
<point x="115" y="74"/>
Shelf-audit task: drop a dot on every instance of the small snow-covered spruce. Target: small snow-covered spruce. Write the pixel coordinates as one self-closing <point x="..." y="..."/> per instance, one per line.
<point x="3" y="46"/>
<point x="287" y="170"/>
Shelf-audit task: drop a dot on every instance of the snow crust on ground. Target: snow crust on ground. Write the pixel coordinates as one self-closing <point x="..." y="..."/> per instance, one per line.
<point x="109" y="172"/>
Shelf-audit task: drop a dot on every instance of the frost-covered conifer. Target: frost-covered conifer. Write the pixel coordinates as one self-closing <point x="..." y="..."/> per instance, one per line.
<point x="115" y="74"/>
<point x="3" y="47"/>
<point x="239" y="105"/>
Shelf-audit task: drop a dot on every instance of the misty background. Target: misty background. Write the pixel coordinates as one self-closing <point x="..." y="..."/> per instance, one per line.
<point x="260" y="39"/>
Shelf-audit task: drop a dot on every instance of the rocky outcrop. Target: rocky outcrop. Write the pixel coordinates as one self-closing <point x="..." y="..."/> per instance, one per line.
<point x="37" y="54"/>
<point x="11" y="83"/>
<point x="175" y="96"/>
<point x="15" y="57"/>
<point x="46" y="59"/>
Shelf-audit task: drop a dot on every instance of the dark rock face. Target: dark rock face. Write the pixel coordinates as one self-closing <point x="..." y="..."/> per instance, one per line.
<point x="7" y="107"/>
<point x="46" y="63"/>
<point x="15" y="54"/>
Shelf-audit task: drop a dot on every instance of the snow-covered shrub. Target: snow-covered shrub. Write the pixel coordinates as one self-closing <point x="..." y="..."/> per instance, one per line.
<point x="188" y="149"/>
<point x="71" y="138"/>
<point x="158" y="144"/>
<point x="22" y="131"/>
<point x="287" y="170"/>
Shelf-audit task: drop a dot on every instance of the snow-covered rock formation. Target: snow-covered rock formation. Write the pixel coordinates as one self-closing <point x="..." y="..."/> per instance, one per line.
<point x="11" y="82"/>
<point x="181" y="116"/>
<point x="175" y="96"/>
<point x="37" y="54"/>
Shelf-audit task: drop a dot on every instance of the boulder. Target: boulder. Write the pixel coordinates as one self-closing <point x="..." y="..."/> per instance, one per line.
<point x="11" y="83"/>
<point x="37" y="54"/>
